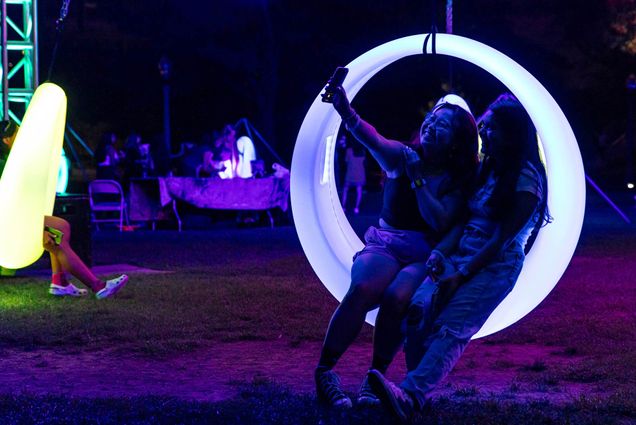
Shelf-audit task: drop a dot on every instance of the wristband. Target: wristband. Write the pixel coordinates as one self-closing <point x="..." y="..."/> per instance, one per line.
<point x="353" y="114"/>
<point x="439" y="254"/>
<point x="352" y="122"/>
<point x="417" y="183"/>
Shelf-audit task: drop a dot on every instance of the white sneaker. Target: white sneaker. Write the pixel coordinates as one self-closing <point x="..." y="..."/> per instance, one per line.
<point x="69" y="290"/>
<point x="112" y="287"/>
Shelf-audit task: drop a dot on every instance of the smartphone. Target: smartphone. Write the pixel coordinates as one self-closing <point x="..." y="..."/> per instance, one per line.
<point x="336" y="80"/>
<point x="57" y="235"/>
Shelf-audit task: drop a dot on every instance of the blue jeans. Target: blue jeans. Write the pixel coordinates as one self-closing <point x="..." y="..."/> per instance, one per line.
<point x="436" y="341"/>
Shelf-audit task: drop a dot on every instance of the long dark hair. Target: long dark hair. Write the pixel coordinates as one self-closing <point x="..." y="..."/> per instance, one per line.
<point x="520" y="146"/>
<point x="463" y="160"/>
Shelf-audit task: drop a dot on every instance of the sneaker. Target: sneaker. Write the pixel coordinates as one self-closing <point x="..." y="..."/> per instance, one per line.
<point x="366" y="396"/>
<point x="112" y="287"/>
<point x="393" y="397"/>
<point x="329" y="390"/>
<point x="69" y="290"/>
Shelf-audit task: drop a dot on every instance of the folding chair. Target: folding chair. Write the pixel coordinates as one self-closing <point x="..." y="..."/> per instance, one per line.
<point x="107" y="197"/>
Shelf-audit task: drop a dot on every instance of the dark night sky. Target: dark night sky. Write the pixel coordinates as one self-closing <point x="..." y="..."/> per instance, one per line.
<point x="267" y="60"/>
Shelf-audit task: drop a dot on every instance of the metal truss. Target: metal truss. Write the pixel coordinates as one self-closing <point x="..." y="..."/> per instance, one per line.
<point x="19" y="66"/>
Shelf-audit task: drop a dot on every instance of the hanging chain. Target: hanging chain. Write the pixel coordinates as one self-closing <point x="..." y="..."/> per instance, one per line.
<point x="63" y="14"/>
<point x="59" y="26"/>
<point x="449" y="16"/>
<point x="433" y="30"/>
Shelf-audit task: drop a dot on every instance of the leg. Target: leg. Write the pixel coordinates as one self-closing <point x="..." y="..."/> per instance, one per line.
<point x="64" y="259"/>
<point x="358" y="198"/>
<point x="426" y="304"/>
<point x="345" y="191"/>
<point x="465" y="314"/>
<point x="370" y="275"/>
<point x="419" y="320"/>
<point x="388" y="335"/>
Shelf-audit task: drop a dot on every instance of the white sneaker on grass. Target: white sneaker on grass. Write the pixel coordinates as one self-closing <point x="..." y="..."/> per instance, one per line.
<point x="112" y="287"/>
<point x="69" y="290"/>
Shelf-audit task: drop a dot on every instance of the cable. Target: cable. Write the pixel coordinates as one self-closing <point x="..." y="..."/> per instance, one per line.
<point x="59" y="27"/>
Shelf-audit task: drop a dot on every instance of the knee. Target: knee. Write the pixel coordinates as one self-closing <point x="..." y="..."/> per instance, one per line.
<point x="451" y="332"/>
<point x="362" y="294"/>
<point x="396" y="301"/>
<point x="59" y="224"/>
<point x="414" y="314"/>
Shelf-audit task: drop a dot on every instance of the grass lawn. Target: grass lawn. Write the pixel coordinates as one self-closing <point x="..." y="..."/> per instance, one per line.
<point x="242" y="286"/>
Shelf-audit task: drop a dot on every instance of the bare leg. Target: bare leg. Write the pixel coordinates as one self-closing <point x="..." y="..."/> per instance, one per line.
<point x="345" y="191"/>
<point x="370" y="275"/>
<point x="64" y="259"/>
<point x="358" y="198"/>
<point x="388" y="334"/>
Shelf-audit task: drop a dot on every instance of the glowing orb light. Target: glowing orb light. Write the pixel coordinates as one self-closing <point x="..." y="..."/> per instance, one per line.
<point x="28" y="183"/>
<point x="329" y="241"/>
<point x="62" y="174"/>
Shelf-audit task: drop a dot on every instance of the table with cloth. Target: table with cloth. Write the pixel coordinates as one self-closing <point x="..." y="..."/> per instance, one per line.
<point x="152" y="199"/>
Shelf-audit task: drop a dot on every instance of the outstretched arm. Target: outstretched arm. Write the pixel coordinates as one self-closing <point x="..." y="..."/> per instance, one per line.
<point x="387" y="152"/>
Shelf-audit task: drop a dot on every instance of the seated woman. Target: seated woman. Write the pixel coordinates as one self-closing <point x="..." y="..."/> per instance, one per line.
<point x="423" y="196"/>
<point x="478" y="262"/>
<point x="56" y="240"/>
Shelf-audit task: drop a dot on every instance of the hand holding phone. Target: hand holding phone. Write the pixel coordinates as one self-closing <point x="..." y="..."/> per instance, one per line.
<point x="336" y="80"/>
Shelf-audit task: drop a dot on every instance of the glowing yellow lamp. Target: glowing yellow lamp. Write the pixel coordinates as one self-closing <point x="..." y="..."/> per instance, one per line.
<point x="27" y="185"/>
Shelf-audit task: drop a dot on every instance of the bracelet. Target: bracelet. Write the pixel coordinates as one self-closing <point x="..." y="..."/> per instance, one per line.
<point x="353" y="114"/>
<point x="352" y="126"/>
<point x="439" y="254"/>
<point x="417" y="183"/>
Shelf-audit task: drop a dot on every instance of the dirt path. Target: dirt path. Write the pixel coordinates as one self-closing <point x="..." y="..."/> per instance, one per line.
<point x="213" y="373"/>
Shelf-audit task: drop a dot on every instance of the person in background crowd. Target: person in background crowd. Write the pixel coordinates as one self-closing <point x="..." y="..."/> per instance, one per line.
<point x="138" y="161"/>
<point x="228" y="155"/>
<point x="108" y="158"/>
<point x="355" y="175"/>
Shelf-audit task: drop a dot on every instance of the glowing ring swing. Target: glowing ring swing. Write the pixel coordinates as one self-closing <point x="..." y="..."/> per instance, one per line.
<point x="329" y="241"/>
<point x="27" y="185"/>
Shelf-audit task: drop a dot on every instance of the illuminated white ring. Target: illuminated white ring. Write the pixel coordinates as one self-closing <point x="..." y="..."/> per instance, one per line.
<point x="329" y="241"/>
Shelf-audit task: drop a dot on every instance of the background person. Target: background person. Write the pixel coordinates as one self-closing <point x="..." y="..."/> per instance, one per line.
<point x="107" y="158"/>
<point x="355" y="174"/>
<point x="64" y="260"/>
<point x="56" y="240"/>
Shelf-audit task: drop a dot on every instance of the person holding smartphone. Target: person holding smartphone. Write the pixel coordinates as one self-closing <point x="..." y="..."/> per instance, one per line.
<point x="424" y="194"/>
<point x="56" y="240"/>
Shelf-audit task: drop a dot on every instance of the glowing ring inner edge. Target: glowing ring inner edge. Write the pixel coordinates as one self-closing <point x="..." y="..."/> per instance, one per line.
<point x="325" y="234"/>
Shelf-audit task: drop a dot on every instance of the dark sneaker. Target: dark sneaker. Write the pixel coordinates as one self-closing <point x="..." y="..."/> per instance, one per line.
<point x="366" y="396"/>
<point x="329" y="390"/>
<point x="392" y="396"/>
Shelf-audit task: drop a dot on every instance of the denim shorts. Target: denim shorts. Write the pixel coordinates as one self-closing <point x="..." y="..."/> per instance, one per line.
<point x="403" y="246"/>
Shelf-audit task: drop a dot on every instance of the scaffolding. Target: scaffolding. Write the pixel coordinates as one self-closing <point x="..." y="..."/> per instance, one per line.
<point x="19" y="65"/>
